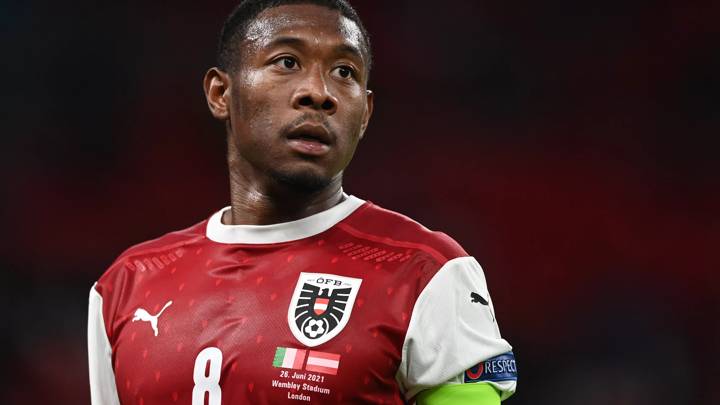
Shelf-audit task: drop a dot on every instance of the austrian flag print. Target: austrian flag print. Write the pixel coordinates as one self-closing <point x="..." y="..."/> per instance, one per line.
<point x="286" y="357"/>
<point x="321" y="306"/>
<point x="326" y="363"/>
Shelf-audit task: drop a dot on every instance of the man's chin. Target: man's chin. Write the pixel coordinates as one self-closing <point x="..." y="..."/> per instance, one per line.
<point x="303" y="181"/>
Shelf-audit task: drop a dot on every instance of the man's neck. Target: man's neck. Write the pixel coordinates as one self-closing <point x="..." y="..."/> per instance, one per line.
<point x="253" y="204"/>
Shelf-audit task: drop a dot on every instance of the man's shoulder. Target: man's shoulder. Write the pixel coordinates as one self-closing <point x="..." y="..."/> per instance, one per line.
<point x="382" y="225"/>
<point x="156" y="254"/>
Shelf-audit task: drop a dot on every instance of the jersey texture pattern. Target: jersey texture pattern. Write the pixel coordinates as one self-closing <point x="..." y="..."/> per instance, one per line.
<point x="356" y="304"/>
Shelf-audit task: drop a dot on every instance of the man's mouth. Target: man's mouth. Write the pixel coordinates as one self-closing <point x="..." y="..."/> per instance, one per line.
<point x="311" y="133"/>
<point x="310" y="139"/>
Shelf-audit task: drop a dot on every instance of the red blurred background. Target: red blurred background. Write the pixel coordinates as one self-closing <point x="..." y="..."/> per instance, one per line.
<point x="572" y="148"/>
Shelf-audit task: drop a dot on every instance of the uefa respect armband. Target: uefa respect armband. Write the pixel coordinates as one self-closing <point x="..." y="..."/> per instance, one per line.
<point x="498" y="368"/>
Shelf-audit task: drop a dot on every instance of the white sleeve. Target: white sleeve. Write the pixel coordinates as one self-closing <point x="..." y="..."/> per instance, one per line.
<point x="452" y="329"/>
<point x="102" y="377"/>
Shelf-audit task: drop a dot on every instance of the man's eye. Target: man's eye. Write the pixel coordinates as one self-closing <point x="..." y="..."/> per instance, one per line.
<point x="345" y="72"/>
<point x="287" y="62"/>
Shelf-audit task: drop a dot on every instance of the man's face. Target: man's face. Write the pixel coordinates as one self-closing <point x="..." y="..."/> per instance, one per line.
<point x="298" y="100"/>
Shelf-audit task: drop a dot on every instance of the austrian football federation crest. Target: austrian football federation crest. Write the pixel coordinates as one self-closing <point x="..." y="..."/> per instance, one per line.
<point x="321" y="306"/>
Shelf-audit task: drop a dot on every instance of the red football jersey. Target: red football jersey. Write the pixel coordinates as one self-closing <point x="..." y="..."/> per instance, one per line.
<point x="356" y="304"/>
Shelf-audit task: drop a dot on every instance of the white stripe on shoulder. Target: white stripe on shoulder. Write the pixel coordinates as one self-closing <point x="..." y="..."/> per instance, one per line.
<point x="452" y="328"/>
<point x="103" y="390"/>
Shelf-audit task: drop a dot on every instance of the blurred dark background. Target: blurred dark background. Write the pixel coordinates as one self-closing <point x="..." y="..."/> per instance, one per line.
<point x="571" y="146"/>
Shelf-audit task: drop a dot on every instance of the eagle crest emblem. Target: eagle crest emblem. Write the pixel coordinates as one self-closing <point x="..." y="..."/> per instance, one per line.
<point x="321" y="306"/>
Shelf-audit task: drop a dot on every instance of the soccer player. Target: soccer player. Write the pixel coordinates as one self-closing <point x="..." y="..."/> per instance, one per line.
<point x="296" y="292"/>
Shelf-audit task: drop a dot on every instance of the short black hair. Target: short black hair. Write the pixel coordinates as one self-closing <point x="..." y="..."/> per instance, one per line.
<point x="237" y="23"/>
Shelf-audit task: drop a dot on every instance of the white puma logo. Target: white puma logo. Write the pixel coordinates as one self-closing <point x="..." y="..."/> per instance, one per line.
<point x="143" y="315"/>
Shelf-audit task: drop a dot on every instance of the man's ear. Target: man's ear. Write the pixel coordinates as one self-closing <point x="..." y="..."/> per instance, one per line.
<point x="216" y="84"/>
<point x="368" y="112"/>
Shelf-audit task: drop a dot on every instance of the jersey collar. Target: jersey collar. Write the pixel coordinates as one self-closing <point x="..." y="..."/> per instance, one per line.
<point x="282" y="232"/>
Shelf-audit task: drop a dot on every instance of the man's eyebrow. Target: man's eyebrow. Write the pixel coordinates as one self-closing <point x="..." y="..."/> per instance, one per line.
<point x="292" y="41"/>
<point x="347" y="48"/>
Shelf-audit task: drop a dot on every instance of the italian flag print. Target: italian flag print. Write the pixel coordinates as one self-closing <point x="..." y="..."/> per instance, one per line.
<point x="326" y="363"/>
<point x="286" y="357"/>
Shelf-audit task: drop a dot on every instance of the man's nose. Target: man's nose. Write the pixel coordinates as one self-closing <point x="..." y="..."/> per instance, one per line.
<point x="313" y="93"/>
